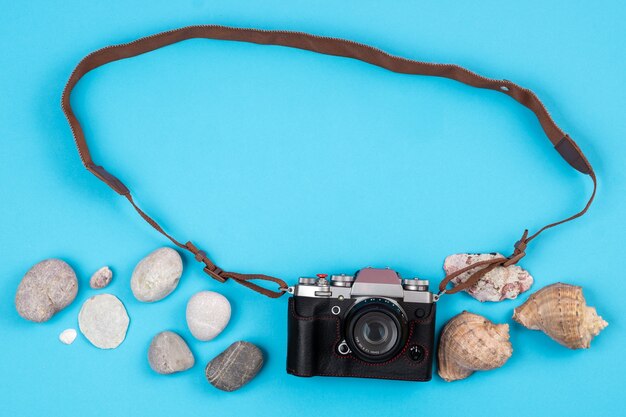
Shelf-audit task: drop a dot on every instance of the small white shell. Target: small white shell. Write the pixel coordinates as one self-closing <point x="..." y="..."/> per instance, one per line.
<point x="67" y="336"/>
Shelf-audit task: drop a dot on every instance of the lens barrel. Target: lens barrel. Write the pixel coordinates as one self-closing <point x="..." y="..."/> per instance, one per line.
<point x="376" y="329"/>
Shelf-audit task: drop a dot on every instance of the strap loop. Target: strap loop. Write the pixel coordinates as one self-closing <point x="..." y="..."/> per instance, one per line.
<point x="484" y="267"/>
<point x="564" y="145"/>
<point x="222" y="276"/>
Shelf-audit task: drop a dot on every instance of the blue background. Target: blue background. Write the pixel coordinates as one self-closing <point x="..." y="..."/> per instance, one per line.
<point x="292" y="163"/>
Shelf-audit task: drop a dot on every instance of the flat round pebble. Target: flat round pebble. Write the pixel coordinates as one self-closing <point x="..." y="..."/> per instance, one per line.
<point x="104" y="321"/>
<point x="168" y="353"/>
<point x="156" y="275"/>
<point x="234" y="367"/>
<point x="67" y="336"/>
<point x="48" y="287"/>
<point x="101" y="278"/>
<point x="207" y="314"/>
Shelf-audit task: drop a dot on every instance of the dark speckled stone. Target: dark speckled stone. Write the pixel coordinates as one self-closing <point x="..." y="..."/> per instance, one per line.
<point x="234" y="367"/>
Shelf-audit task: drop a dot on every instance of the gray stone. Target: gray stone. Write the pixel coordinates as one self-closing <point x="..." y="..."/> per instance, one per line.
<point x="104" y="321"/>
<point x="234" y="367"/>
<point x="207" y="314"/>
<point x="168" y="353"/>
<point x="48" y="287"/>
<point x="101" y="278"/>
<point x="156" y="275"/>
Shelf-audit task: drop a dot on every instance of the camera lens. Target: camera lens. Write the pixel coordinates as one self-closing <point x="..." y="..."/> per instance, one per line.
<point x="376" y="329"/>
<point x="375" y="333"/>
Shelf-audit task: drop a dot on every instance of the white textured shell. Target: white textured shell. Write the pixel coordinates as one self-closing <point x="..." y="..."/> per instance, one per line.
<point x="560" y="311"/>
<point x="103" y="320"/>
<point x="469" y="342"/>
<point x="498" y="284"/>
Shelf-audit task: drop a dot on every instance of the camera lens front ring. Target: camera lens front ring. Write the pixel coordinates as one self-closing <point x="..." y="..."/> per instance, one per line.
<point x="376" y="329"/>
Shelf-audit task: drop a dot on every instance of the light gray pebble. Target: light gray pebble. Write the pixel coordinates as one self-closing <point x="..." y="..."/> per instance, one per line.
<point x="207" y="314"/>
<point x="234" y="367"/>
<point x="104" y="321"/>
<point x="101" y="278"/>
<point x="48" y="287"/>
<point x="168" y="353"/>
<point x="156" y="275"/>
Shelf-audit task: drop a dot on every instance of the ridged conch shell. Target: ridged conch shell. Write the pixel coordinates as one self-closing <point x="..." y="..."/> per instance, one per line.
<point x="469" y="343"/>
<point x="560" y="311"/>
<point x="498" y="284"/>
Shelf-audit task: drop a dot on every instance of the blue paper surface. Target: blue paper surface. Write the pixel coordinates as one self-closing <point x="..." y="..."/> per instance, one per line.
<point x="291" y="163"/>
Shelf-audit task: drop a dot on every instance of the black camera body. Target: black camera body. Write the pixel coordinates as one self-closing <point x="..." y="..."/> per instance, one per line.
<point x="371" y="325"/>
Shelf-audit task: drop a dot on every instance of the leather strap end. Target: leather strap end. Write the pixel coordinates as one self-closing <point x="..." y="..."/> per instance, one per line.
<point x="109" y="179"/>
<point x="568" y="149"/>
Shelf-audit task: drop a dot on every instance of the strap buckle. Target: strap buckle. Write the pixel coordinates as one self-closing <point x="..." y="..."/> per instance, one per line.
<point x="215" y="274"/>
<point x="210" y="268"/>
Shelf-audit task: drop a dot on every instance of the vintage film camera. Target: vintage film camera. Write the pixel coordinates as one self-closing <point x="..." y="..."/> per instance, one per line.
<point x="371" y="325"/>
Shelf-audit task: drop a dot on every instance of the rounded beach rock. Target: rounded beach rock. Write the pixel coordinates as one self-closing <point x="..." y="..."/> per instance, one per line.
<point x="208" y="313"/>
<point x="156" y="275"/>
<point x="101" y="278"/>
<point x="104" y="321"/>
<point x="168" y="353"/>
<point x="48" y="287"/>
<point x="234" y="367"/>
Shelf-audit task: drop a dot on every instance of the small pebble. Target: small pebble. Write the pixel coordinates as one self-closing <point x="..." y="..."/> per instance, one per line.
<point x="156" y="275"/>
<point x="67" y="336"/>
<point x="104" y="321"/>
<point x="168" y="353"/>
<point x="47" y="288"/>
<point x="234" y="367"/>
<point x="101" y="278"/>
<point x="207" y="314"/>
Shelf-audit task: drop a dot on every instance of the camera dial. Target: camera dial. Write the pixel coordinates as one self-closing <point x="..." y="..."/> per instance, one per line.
<point x="342" y="280"/>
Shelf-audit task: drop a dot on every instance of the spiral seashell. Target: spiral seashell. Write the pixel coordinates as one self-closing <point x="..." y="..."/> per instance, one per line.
<point x="469" y="343"/>
<point x="560" y="311"/>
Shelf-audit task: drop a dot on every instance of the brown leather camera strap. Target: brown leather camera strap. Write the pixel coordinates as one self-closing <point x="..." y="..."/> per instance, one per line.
<point x="564" y="145"/>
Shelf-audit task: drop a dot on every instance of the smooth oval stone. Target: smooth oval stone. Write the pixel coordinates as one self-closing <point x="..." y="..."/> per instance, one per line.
<point x="101" y="278"/>
<point x="104" y="321"/>
<point x="47" y="288"/>
<point x="168" y="353"/>
<point x="207" y="314"/>
<point x="156" y="275"/>
<point x="234" y="367"/>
